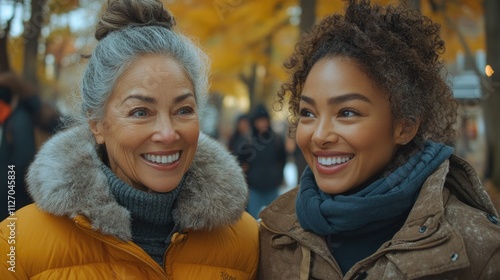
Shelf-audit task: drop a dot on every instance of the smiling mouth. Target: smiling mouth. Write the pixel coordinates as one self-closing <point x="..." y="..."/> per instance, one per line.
<point x="162" y="159"/>
<point x="327" y="161"/>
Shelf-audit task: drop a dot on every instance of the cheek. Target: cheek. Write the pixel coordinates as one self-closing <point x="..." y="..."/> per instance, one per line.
<point x="302" y="137"/>
<point x="191" y="140"/>
<point x="190" y="133"/>
<point x="121" y="137"/>
<point x="377" y="142"/>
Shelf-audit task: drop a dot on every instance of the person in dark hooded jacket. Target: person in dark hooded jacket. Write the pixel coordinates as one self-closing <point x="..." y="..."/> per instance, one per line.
<point x="240" y="140"/>
<point x="266" y="157"/>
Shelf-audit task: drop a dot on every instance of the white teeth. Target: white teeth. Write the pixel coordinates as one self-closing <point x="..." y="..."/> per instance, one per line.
<point x="162" y="159"/>
<point x="332" y="160"/>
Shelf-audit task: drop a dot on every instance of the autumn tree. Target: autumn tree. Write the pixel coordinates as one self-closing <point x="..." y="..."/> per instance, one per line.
<point x="4" y="40"/>
<point x="308" y="14"/>
<point x="492" y="101"/>
<point x="39" y="16"/>
<point x="248" y="41"/>
<point x="31" y="37"/>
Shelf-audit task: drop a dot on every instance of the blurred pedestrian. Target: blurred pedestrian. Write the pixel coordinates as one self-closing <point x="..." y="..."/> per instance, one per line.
<point x="266" y="157"/>
<point x="240" y="140"/>
<point x="44" y="115"/>
<point x="132" y="189"/>
<point x="22" y="110"/>
<point x="383" y="197"/>
<point x="17" y="149"/>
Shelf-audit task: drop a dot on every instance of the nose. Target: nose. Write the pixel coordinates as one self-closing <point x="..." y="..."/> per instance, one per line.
<point x="324" y="132"/>
<point x="165" y="130"/>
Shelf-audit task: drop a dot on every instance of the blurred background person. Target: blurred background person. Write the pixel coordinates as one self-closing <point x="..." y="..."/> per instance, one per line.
<point x="241" y="139"/>
<point x="22" y="110"/>
<point x="17" y="149"/>
<point x="266" y="158"/>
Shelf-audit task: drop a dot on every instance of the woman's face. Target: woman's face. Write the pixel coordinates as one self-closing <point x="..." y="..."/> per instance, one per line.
<point x="244" y="126"/>
<point x="346" y="131"/>
<point x="151" y="124"/>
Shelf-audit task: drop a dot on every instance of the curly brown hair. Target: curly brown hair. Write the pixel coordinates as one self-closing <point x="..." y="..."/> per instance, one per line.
<point x="399" y="49"/>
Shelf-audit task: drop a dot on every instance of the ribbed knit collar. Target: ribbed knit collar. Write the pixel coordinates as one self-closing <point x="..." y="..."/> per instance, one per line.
<point x="152" y="220"/>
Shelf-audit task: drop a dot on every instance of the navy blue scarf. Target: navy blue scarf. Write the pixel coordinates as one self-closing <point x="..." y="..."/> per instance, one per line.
<point x="374" y="207"/>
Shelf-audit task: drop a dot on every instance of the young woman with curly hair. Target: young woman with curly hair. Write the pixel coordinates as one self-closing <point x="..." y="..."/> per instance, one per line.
<point x="383" y="196"/>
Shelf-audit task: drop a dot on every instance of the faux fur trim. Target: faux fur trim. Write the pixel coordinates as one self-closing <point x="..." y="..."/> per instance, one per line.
<point x="65" y="179"/>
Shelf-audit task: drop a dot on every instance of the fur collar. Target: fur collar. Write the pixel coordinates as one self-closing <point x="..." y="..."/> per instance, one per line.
<point x="66" y="179"/>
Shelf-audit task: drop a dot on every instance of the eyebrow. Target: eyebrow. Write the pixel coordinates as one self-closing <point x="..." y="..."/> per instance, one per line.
<point x="143" y="98"/>
<point x="338" y="99"/>
<point x="152" y="100"/>
<point x="183" y="97"/>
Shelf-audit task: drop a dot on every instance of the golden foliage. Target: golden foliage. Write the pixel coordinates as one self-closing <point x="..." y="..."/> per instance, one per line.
<point x="62" y="6"/>
<point x="239" y="33"/>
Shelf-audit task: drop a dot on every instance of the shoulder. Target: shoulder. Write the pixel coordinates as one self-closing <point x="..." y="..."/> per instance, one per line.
<point x="480" y="232"/>
<point x="37" y="231"/>
<point x="247" y="230"/>
<point x="40" y="238"/>
<point x="232" y="249"/>
<point x="242" y="236"/>
<point x="469" y="209"/>
<point x="31" y="220"/>
<point x="284" y="204"/>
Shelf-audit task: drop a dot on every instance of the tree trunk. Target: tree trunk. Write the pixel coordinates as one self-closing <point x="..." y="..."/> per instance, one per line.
<point x="4" y="41"/>
<point x="31" y="38"/>
<point x="491" y="102"/>
<point x="415" y="4"/>
<point x="249" y="80"/>
<point x="308" y="15"/>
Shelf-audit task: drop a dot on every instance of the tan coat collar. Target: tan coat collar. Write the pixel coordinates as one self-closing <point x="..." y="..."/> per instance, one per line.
<point x="427" y="243"/>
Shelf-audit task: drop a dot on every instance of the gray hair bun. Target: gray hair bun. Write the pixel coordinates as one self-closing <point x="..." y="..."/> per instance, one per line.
<point x="122" y="13"/>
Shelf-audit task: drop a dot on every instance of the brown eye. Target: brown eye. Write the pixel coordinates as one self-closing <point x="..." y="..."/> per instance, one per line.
<point x="305" y="113"/>
<point x="347" y="113"/>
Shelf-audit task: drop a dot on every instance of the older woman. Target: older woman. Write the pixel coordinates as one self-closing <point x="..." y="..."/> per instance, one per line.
<point x="132" y="189"/>
<point x="382" y="197"/>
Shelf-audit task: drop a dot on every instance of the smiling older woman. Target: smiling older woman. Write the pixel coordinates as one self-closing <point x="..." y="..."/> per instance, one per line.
<point x="132" y="189"/>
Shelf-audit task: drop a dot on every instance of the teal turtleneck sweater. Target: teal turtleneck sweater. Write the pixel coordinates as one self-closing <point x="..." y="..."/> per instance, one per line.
<point x="151" y="213"/>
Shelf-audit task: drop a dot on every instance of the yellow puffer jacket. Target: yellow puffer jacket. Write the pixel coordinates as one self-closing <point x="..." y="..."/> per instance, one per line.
<point x="77" y="230"/>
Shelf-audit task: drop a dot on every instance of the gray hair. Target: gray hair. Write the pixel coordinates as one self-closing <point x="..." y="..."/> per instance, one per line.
<point x="114" y="54"/>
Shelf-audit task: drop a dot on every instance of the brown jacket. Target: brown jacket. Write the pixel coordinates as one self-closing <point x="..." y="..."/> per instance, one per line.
<point x="452" y="232"/>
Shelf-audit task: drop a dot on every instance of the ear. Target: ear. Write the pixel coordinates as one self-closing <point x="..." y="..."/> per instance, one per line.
<point x="405" y="130"/>
<point x="96" y="128"/>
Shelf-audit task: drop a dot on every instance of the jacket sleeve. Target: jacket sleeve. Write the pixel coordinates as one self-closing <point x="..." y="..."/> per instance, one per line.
<point x="491" y="270"/>
<point x="10" y="268"/>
